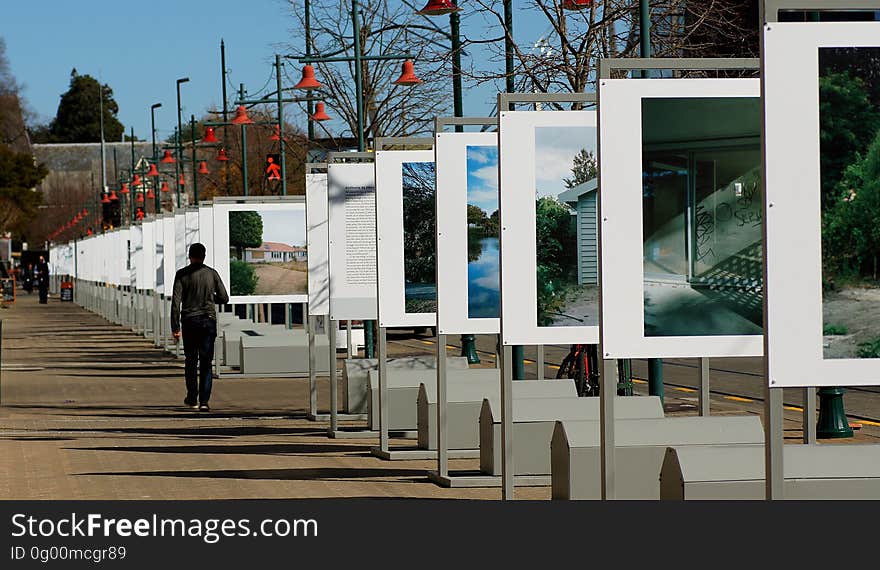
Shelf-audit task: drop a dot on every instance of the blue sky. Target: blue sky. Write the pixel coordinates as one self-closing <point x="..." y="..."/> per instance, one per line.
<point x="555" y="149"/>
<point x="482" y="177"/>
<point x="284" y="227"/>
<point x="141" y="49"/>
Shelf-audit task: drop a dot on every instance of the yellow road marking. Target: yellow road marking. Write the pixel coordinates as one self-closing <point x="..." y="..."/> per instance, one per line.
<point x="688" y="390"/>
<point x="867" y="422"/>
<point x="637" y="381"/>
<point x="738" y="399"/>
<point x="793" y="408"/>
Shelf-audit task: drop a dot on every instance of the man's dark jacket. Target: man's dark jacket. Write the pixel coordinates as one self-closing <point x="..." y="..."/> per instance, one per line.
<point x="198" y="289"/>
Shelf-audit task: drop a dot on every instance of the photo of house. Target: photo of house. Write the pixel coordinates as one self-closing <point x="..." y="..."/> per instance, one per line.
<point x="267" y="253"/>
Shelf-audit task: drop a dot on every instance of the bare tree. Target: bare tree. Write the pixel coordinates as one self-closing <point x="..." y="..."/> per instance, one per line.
<point x="386" y="28"/>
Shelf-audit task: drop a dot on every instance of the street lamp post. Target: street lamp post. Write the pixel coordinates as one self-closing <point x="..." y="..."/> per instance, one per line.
<point x="179" y="148"/>
<point x="153" y="108"/>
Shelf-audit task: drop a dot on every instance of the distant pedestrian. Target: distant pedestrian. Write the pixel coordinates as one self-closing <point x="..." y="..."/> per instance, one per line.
<point x="197" y="290"/>
<point x="41" y="276"/>
<point x="28" y="278"/>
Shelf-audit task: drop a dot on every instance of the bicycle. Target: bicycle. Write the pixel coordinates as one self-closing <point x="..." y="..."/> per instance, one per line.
<point x="581" y="364"/>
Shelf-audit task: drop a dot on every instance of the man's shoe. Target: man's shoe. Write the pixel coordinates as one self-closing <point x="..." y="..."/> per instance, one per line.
<point x="192" y="404"/>
<point x="204" y="408"/>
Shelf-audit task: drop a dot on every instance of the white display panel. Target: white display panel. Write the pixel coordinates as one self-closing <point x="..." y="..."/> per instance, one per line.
<point x="136" y="255"/>
<point x="159" y="255"/>
<point x="351" y="194"/>
<point x="537" y="150"/>
<point x="170" y="244"/>
<point x="664" y="200"/>
<point x="405" y="200"/>
<point x="147" y="267"/>
<point x="192" y="226"/>
<point x="180" y="245"/>
<point x="276" y="269"/>
<point x="318" y="239"/>
<point x="206" y="232"/>
<point x="121" y="274"/>
<point x="468" y="295"/>
<point x="799" y="309"/>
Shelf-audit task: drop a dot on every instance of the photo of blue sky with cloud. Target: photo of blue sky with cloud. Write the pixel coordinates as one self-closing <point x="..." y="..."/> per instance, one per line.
<point x="482" y="177"/>
<point x="555" y="149"/>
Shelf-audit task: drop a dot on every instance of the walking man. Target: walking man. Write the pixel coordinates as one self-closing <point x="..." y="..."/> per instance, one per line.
<point x="197" y="289"/>
<point x="42" y="277"/>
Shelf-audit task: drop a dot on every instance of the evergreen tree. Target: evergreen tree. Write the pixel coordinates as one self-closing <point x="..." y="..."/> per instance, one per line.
<point x="78" y="119"/>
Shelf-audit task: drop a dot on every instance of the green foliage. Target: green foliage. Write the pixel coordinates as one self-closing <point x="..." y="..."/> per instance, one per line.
<point x="243" y="278"/>
<point x="78" y="118"/>
<point x="850" y="232"/>
<point x="19" y="176"/>
<point x="849" y="123"/>
<point x="870" y="349"/>
<point x="419" y="252"/>
<point x="585" y="168"/>
<point x="556" y="237"/>
<point x="834" y="330"/>
<point x="245" y="230"/>
<point x="475" y="215"/>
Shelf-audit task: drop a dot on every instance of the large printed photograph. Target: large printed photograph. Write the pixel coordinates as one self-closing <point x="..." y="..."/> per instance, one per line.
<point x="419" y="248"/>
<point x="702" y="216"/>
<point x="267" y="253"/>
<point x="849" y="118"/>
<point x="483" y="232"/>
<point x="566" y="230"/>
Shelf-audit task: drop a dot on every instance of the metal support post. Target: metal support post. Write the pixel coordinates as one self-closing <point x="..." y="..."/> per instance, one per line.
<point x="334" y="420"/>
<point x="313" y="381"/>
<point x="539" y="361"/>
<point x="607" y="381"/>
<point x="810" y="415"/>
<point x="507" y="474"/>
<point x="442" y="443"/>
<point x="383" y="391"/>
<point x="774" y="442"/>
<point x="655" y="377"/>
<point x="350" y="352"/>
<point x="703" y="388"/>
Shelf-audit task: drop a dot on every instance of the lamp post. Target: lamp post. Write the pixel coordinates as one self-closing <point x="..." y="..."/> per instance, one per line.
<point x="179" y="148"/>
<point x="153" y="108"/>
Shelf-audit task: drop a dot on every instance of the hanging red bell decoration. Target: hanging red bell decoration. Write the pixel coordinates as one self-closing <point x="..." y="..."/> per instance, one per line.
<point x="308" y="80"/>
<point x="150" y="194"/>
<point x="137" y="181"/>
<point x="164" y="188"/>
<point x="408" y="75"/>
<point x="105" y="199"/>
<point x="320" y="114"/>
<point x="166" y="159"/>
<point x="140" y="214"/>
<point x="155" y="171"/>
<point x="124" y="189"/>
<point x="113" y="196"/>
<point x="438" y="8"/>
<point x="576" y="4"/>
<point x="210" y="137"/>
<point x="181" y="181"/>
<point x="241" y="117"/>
<point x="203" y="168"/>
<point x="221" y="155"/>
<point x="140" y="197"/>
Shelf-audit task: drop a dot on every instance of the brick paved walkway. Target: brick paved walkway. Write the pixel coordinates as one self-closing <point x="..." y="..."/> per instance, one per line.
<point x="92" y="411"/>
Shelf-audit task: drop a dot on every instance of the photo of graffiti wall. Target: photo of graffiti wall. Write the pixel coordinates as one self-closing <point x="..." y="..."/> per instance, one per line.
<point x="566" y="231"/>
<point x="849" y="118"/>
<point x="483" y="232"/>
<point x="267" y="253"/>
<point x="419" y="248"/>
<point x="702" y="216"/>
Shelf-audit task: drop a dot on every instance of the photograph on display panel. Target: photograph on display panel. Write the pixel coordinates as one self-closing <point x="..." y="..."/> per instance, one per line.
<point x="566" y="232"/>
<point x="482" y="232"/>
<point x="317" y="239"/>
<point x="267" y="252"/>
<point x="849" y="121"/>
<point x="702" y="216"/>
<point x="419" y="258"/>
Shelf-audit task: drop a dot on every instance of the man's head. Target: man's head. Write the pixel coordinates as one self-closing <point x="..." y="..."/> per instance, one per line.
<point x="42" y="259"/>
<point x="197" y="253"/>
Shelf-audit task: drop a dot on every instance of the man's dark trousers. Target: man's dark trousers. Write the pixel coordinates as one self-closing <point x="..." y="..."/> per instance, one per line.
<point x="199" y="333"/>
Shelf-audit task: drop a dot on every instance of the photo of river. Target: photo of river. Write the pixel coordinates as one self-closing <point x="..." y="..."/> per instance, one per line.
<point x="419" y="250"/>
<point x="483" y="232"/>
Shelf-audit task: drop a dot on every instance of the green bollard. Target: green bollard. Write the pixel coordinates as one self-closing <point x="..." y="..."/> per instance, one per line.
<point x="832" y="416"/>
<point x="655" y="377"/>
<point x="519" y="369"/>
<point x="624" y="383"/>
<point x="368" y="339"/>
<point x="469" y="348"/>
